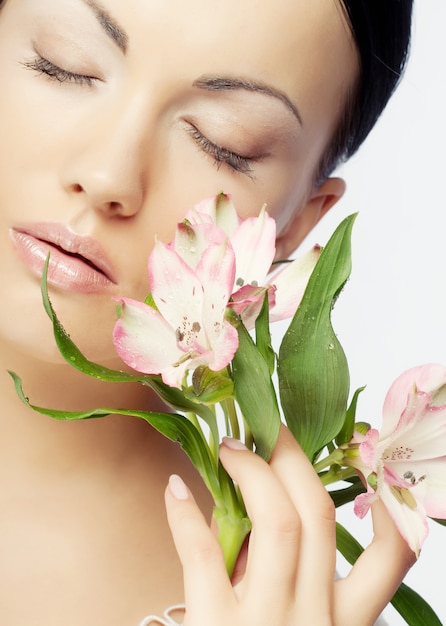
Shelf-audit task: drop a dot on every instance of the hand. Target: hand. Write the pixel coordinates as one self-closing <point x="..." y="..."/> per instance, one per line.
<point x="287" y="577"/>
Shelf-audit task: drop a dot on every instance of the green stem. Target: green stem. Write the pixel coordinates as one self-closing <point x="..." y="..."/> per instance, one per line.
<point x="194" y="420"/>
<point x="232" y="532"/>
<point x="231" y="412"/>
<point x="333" y="476"/>
<point x="212" y="445"/>
<point x="249" y="439"/>
<point x="335" y="458"/>
<point x="232" y="520"/>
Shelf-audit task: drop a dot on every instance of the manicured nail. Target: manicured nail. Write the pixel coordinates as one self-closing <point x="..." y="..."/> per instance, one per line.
<point x="177" y="488"/>
<point x="234" y="444"/>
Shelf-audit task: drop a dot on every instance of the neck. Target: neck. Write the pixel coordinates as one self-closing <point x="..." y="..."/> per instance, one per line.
<point x="58" y="386"/>
<point x="92" y="490"/>
<point x="35" y="443"/>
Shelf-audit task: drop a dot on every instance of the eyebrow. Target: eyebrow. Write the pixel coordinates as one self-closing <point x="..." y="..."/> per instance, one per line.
<point x="109" y="25"/>
<point x="227" y="83"/>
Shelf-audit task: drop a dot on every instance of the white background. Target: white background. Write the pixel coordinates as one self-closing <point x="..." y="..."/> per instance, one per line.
<point x="392" y="313"/>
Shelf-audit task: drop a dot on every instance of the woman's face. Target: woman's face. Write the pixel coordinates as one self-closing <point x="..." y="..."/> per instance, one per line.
<point x="116" y="117"/>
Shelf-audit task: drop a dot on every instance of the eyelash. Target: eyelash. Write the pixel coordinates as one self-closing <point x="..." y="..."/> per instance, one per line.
<point x="54" y="72"/>
<point x="220" y="155"/>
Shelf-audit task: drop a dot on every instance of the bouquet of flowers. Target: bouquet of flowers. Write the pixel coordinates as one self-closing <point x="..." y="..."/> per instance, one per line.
<point x="202" y="342"/>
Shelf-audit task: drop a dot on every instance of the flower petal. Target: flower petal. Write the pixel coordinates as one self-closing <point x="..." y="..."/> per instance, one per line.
<point x="425" y="440"/>
<point x="428" y="378"/>
<point x="368" y="449"/>
<point x="427" y="482"/>
<point x="254" y="246"/>
<point x="224" y="347"/>
<point x="216" y="272"/>
<point x="143" y="339"/>
<point x="222" y="211"/>
<point x="248" y="301"/>
<point x="191" y="240"/>
<point x="291" y="283"/>
<point x="176" y="290"/>
<point x="363" y="502"/>
<point x="411" y="522"/>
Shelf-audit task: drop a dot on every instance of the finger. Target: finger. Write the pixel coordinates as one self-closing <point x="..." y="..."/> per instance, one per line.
<point x="383" y="564"/>
<point x="317" y="561"/>
<point x="275" y="536"/>
<point x="207" y="587"/>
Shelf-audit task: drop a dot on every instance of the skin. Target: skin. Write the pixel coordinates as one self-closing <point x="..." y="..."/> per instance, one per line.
<point x="83" y="529"/>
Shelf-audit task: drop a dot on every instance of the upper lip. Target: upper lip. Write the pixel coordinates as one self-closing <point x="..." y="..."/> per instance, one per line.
<point x="82" y="246"/>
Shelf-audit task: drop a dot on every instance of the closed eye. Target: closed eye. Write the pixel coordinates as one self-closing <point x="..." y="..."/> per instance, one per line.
<point x="220" y="155"/>
<point x="43" y="66"/>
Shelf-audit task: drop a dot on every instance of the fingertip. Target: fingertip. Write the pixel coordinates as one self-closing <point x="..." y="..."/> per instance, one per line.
<point x="177" y="488"/>
<point x="233" y="444"/>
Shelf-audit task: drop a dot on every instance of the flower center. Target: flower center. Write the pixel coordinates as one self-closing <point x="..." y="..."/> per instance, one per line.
<point x="187" y="334"/>
<point x="404" y="496"/>
<point x="410" y="476"/>
<point x="402" y="453"/>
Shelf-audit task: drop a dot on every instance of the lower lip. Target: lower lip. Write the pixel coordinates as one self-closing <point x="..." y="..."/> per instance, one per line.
<point x="64" y="271"/>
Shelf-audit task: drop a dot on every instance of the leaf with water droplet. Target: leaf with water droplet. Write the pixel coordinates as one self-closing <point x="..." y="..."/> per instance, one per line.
<point x="312" y="367"/>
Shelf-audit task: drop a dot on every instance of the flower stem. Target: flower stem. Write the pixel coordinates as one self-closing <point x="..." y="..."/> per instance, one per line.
<point x="232" y="520"/>
<point x="212" y="445"/>
<point x="232" y="532"/>
<point x="231" y="412"/>
<point x="333" y="476"/>
<point x="249" y="439"/>
<point x="334" y="458"/>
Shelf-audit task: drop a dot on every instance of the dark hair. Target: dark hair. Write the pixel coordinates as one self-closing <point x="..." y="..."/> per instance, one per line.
<point x="381" y="30"/>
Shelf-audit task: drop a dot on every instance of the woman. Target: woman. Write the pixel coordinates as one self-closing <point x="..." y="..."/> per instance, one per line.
<point x="115" y="118"/>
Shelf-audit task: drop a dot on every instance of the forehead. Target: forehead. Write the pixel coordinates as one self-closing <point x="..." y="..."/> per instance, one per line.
<point x="302" y="48"/>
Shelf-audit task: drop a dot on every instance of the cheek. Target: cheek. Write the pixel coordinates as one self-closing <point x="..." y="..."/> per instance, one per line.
<point x="281" y="182"/>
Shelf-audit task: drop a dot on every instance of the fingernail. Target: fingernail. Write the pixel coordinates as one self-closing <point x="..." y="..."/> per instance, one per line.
<point x="234" y="444"/>
<point x="177" y="488"/>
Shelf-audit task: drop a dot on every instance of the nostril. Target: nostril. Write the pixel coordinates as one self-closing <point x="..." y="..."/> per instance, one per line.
<point x="115" y="206"/>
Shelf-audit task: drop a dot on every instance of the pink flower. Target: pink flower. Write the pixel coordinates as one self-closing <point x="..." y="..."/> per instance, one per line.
<point x="405" y="464"/>
<point x="190" y="282"/>
<point x="216" y="261"/>
<point x="253" y="241"/>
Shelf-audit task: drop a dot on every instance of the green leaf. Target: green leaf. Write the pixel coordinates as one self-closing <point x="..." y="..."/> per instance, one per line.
<point x="230" y="512"/>
<point x="255" y="394"/>
<point x="151" y="302"/>
<point x="71" y="352"/>
<point x="343" y="496"/>
<point x="173" y="426"/>
<point x="442" y="522"/>
<point x="409" y="604"/>
<point x="346" y="433"/>
<point x="263" y="336"/>
<point x="312" y="367"/>
<point x="172" y="396"/>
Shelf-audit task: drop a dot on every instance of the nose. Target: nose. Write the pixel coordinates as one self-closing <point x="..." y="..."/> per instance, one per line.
<point x="107" y="167"/>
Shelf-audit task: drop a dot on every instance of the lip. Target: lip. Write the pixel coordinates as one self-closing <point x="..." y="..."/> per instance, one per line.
<point x="77" y="262"/>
